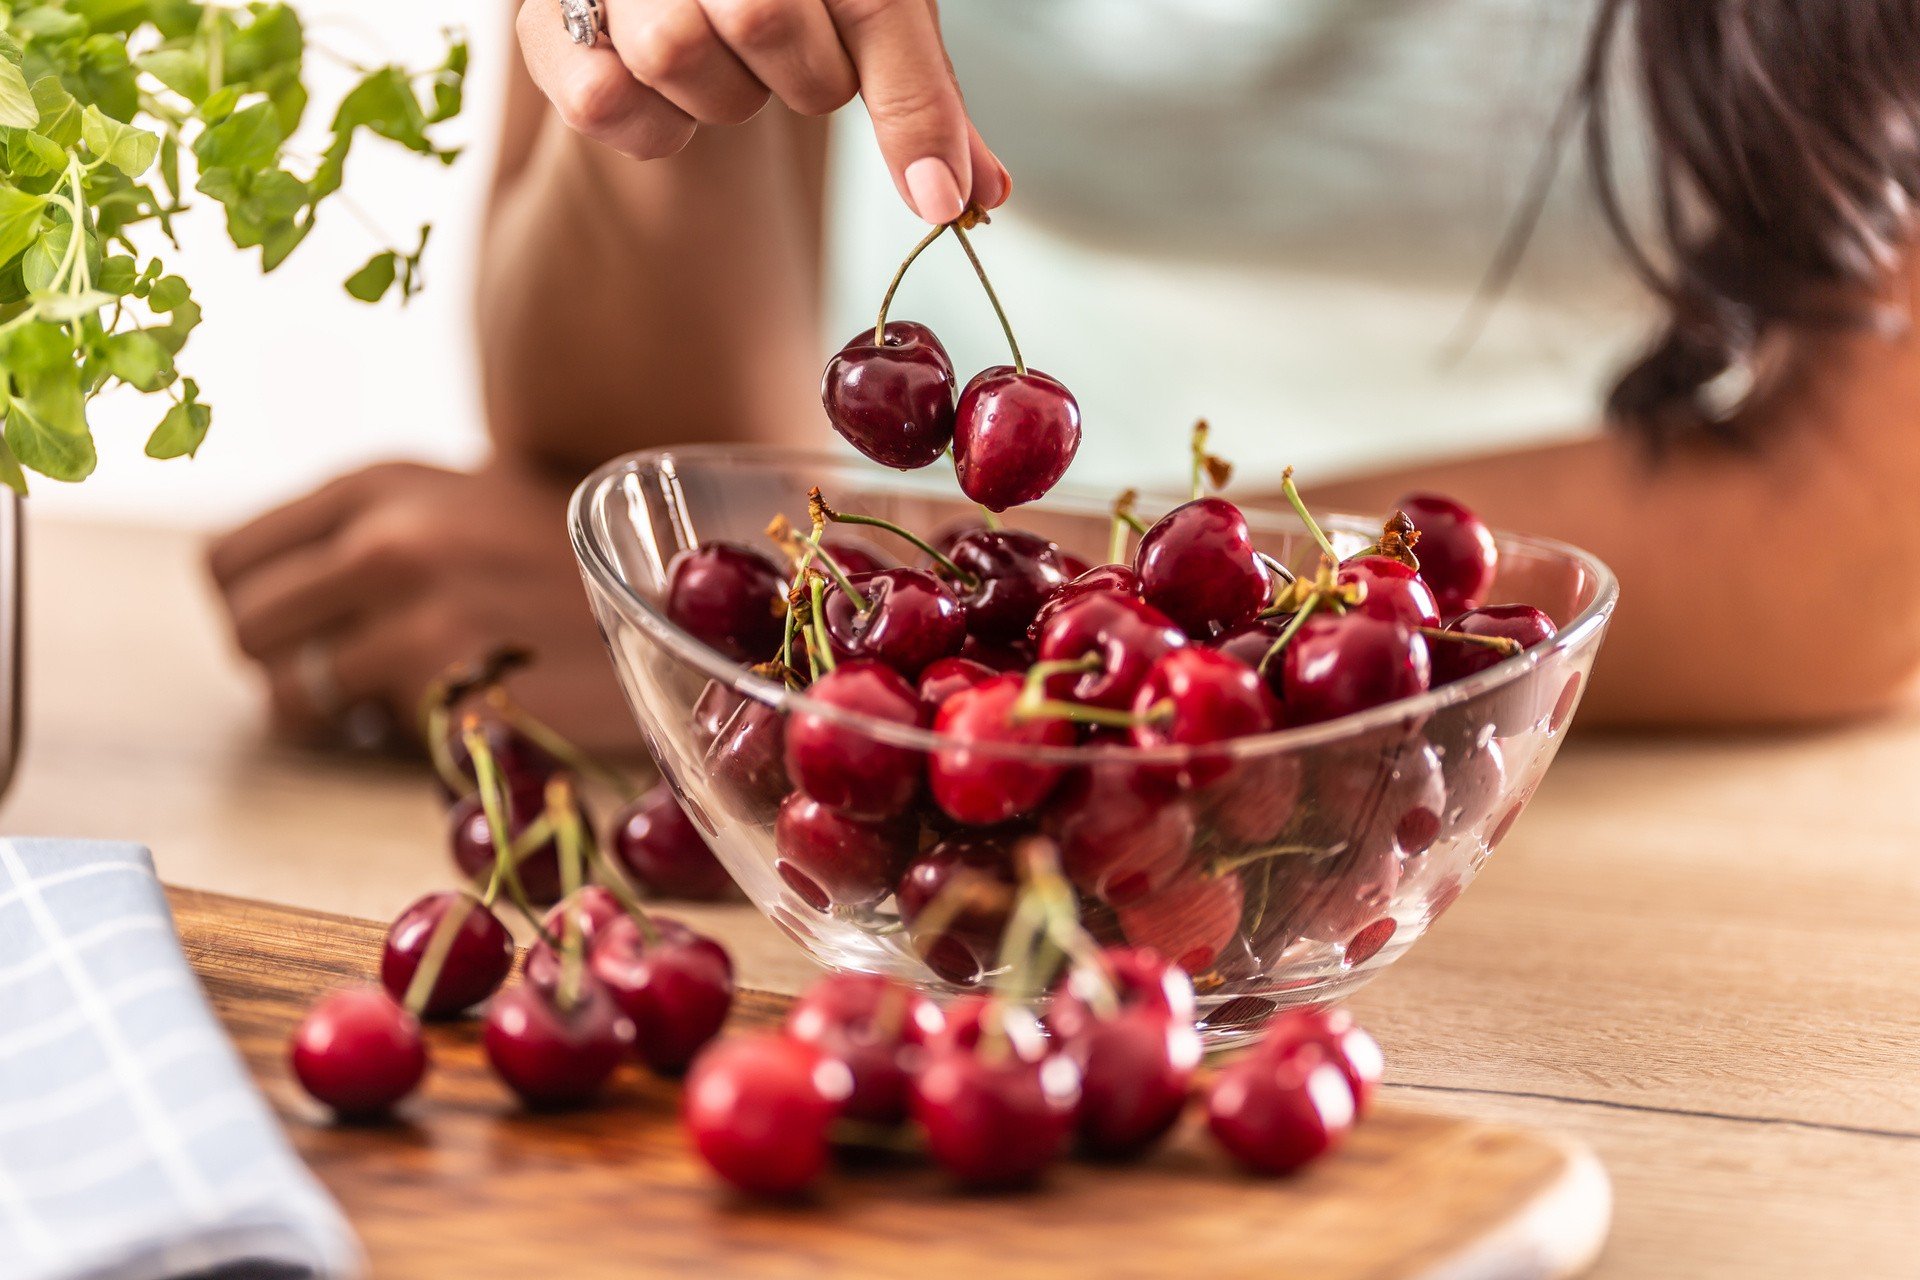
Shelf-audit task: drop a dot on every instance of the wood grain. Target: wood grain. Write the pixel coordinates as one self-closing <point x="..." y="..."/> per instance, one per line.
<point x="468" y="1184"/>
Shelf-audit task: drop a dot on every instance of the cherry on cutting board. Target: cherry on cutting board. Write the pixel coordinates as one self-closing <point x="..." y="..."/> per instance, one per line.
<point x="676" y="987"/>
<point x="877" y="1027"/>
<point x="761" y="1109"/>
<point x="471" y="838"/>
<point x="1278" y="1111"/>
<point x="550" y="1056"/>
<point x="893" y="399"/>
<point x="994" y="1120"/>
<point x="477" y="960"/>
<point x="358" y="1052"/>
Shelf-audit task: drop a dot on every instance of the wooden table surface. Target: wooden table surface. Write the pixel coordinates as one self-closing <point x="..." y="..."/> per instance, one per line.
<point x="1701" y="957"/>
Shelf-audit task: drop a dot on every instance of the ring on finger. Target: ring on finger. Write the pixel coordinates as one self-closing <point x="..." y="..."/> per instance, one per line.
<point x="585" y="20"/>
<point x="319" y="683"/>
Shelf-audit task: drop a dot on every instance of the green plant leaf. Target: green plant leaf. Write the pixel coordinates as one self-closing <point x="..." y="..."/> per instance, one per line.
<point x="250" y="138"/>
<point x="138" y="359"/>
<point x="19" y="221"/>
<point x="59" y="112"/>
<point x="183" y="428"/>
<point x="31" y="156"/>
<point x="182" y="70"/>
<point x="16" y="100"/>
<point x="371" y="282"/>
<point x="126" y="148"/>
<point x="10" y="473"/>
<point x="118" y="275"/>
<point x="50" y="449"/>
<point x="72" y="306"/>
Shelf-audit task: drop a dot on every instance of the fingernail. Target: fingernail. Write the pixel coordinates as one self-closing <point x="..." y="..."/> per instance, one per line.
<point x="936" y="195"/>
<point x="991" y="186"/>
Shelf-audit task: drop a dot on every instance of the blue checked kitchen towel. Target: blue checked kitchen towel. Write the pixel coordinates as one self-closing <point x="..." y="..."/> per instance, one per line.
<point x="133" y="1146"/>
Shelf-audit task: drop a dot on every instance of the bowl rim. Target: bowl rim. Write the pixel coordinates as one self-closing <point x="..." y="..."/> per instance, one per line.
<point x="1583" y="630"/>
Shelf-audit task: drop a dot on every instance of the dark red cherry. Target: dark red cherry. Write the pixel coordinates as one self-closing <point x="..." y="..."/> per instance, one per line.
<point x="1346" y="1043"/>
<point x="1196" y="697"/>
<point x="1278" y="1112"/>
<point x="747" y="760"/>
<point x="729" y="596"/>
<point x="1456" y="550"/>
<point x="1394" y="591"/>
<point x="524" y="766"/>
<point x="972" y="777"/>
<point x="1016" y="656"/>
<point x="1191" y="921"/>
<point x="876" y="1026"/>
<point x="1014" y="436"/>
<point x="1251" y="642"/>
<point x="1106" y="579"/>
<point x="554" y="1057"/>
<point x="910" y="620"/>
<point x="1136" y="1069"/>
<point x="711" y="710"/>
<point x="1010" y="574"/>
<point x="588" y="911"/>
<point x="942" y="679"/>
<point x="980" y="867"/>
<point x="1521" y="623"/>
<point x="1375" y="796"/>
<point x="1197" y="565"/>
<point x="832" y="859"/>
<point x="1127" y="636"/>
<point x="358" y="1052"/>
<point x="1338" y="665"/>
<point x="994" y="1120"/>
<point x="665" y="854"/>
<point x="1123" y="832"/>
<point x="477" y="960"/>
<point x="675" y="987"/>
<point x="855" y="557"/>
<point x="892" y="400"/>
<point x="473" y="853"/>
<point x="1132" y="977"/>
<point x="844" y="766"/>
<point x="760" y="1110"/>
<point x="1256" y="800"/>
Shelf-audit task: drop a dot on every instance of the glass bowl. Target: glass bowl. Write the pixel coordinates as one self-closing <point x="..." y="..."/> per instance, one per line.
<point x="1312" y="859"/>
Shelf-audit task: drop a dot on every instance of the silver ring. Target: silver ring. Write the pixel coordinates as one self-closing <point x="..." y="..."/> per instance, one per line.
<point x="586" y="20"/>
<point x="319" y="685"/>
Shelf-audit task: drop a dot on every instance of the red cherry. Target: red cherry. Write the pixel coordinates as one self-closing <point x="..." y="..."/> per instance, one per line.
<point x="1278" y="1112"/>
<point x="832" y="859"/>
<point x="663" y="851"/>
<point x="554" y="1057"/>
<point x="473" y="852"/>
<point x="1197" y="565"/>
<point x="747" y="760"/>
<point x="1394" y="591"/>
<point x="477" y="961"/>
<point x="1376" y="797"/>
<point x="994" y="1120"/>
<point x="1136" y="1069"/>
<point x="1014" y="436"/>
<point x="1251" y="642"/>
<point x="1456" y="549"/>
<point x="1190" y="921"/>
<point x="845" y="767"/>
<point x="1127" y="635"/>
<point x="874" y="1025"/>
<point x="1123" y="832"/>
<point x="590" y="910"/>
<point x="1521" y="623"/>
<point x="942" y="679"/>
<point x="985" y="787"/>
<point x="1339" y="665"/>
<point x="730" y="597"/>
<point x="1010" y="574"/>
<point x="911" y="619"/>
<point x="358" y="1052"/>
<point x="1138" y="977"/>
<point x="1106" y="579"/>
<point x="1366" y="944"/>
<point x="760" y="1110"/>
<point x="676" y="989"/>
<point x="892" y="400"/>
<point x="967" y="947"/>
<point x="1196" y="697"/>
<point x="1347" y="1046"/>
<point x="1000" y="658"/>
<point x="524" y="766"/>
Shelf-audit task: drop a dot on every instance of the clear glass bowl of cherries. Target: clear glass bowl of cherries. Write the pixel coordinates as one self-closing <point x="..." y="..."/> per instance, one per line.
<point x="1271" y="746"/>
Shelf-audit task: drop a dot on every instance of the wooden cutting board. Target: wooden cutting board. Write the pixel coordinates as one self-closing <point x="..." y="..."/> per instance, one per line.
<point x="467" y="1185"/>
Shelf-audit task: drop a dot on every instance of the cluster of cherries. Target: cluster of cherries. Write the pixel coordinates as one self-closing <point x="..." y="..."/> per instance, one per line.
<point x="1012" y="431"/>
<point x="1011" y="650"/>
<point x="995" y="1094"/>
<point x="604" y="980"/>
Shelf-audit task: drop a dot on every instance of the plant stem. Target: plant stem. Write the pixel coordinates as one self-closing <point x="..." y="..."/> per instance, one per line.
<point x="818" y="587"/>
<point x="560" y="811"/>
<point x="1292" y="493"/>
<point x="819" y="504"/>
<point x="886" y="300"/>
<point x="1287" y="633"/>
<point x="1506" y="645"/>
<point x="1006" y="327"/>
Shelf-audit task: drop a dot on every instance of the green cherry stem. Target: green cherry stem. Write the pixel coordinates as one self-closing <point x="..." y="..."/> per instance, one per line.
<point x="1507" y="646"/>
<point x="1292" y="493"/>
<point x="1124" y="521"/>
<point x="555" y="744"/>
<point x="1006" y="327"/>
<point x="1223" y="866"/>
<point x="819" y="505"/>
<point x="817" y="588"/>
<point x="1288" y="632"/>
<point x="886" y="300"/>
<point x="560" y="809"/>
<point x="434" y="958"/>
<point x="506" y="859"/>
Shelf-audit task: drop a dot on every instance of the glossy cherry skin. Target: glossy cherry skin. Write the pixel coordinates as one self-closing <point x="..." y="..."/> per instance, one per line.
<point x="1106" y="579"/>
<point x="1137" y="977"/>
<point x="676" y="988"/>
<point x="358" y="1052"/>
<point x="658" y="846"/>
<point x="1195" y="697"/>
<point x="1136" y="1069"/>
<point x="968" y="946"/>
<point x="833" y="859"/>
<point x="1278" y="1112"/>
<point x="1001" y="658"/>
<point x="747" y="760"/>
<point x="911" y="619"/>
<point x="1197" y="565"/>
<point x="942" y="679"/>
<point x="1339" y="665"/>
<point x="1394" y="591"/>
<point x="876" y="1026"/>
<point x="1251" y="642"/>
<point x="1521" y="623"/>
<point x="589" y="911"/>
<point x="524" y="766"/>
<point x="844" y="767"/>
<point x="472" y="842"/>
<point x="984" y="788"/>
<point x="892" y="400"/>
<point x="1009" y="575"/>
<point x="1346" y="1043"/>
<point x="760" y="1110"/>
<point x="1124" y="832"/>
<point x="1457" y="554"/>
<point x="1014" y="436"/>
<point x="1127" y="635"/>
<point x="994" y="1121"/>
<point x="477" y="962"/>
<point x="553" y="1057"/>
<point x="1190" y="921"/>
<point x="730" y="597"/>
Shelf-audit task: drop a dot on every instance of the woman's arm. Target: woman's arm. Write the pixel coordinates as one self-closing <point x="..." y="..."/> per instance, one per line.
<point x="1773" y="587"/>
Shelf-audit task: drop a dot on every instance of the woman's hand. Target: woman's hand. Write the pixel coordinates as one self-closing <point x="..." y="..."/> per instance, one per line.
<point x="667" y="67"/>
<point x="385" y="577"/>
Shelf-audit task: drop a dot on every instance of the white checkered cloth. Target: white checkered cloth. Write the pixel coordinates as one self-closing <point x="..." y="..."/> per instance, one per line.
<point x="133" y="1145"/>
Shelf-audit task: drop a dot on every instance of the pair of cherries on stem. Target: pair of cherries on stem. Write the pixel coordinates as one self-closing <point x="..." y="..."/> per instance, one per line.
<point x="890" y="392"/>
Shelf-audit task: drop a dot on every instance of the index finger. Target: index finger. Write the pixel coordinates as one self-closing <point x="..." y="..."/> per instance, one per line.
<point x="918" y="115"/>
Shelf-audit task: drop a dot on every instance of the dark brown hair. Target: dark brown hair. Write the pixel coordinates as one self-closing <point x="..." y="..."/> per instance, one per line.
<point x="1785" y="143"/>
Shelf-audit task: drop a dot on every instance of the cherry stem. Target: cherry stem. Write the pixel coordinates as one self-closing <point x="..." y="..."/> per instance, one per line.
<point x="615" y="882"/>
<point x="1198" y="447"/>
<point x="1506" y="645"/>
<point x="1123" y="521"/>
<point x="1287" y="632"/>
<point x="1019" y="364"/>
<point x="493" y="805"/>
<point x="434" y="958"/>
<point x="817" y="587"/>
<point x="1292" y="493"/>
<point x="819" y="504"/>
<point x="886" y="300"/>
<point x="556" y="745"/>
<point x="1226" y="865"/>
<point x="1282" y="575"/>
<point x="1034" y="690"/>
<point x="566" y="819"/>
<point x="1041" y="865"/>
